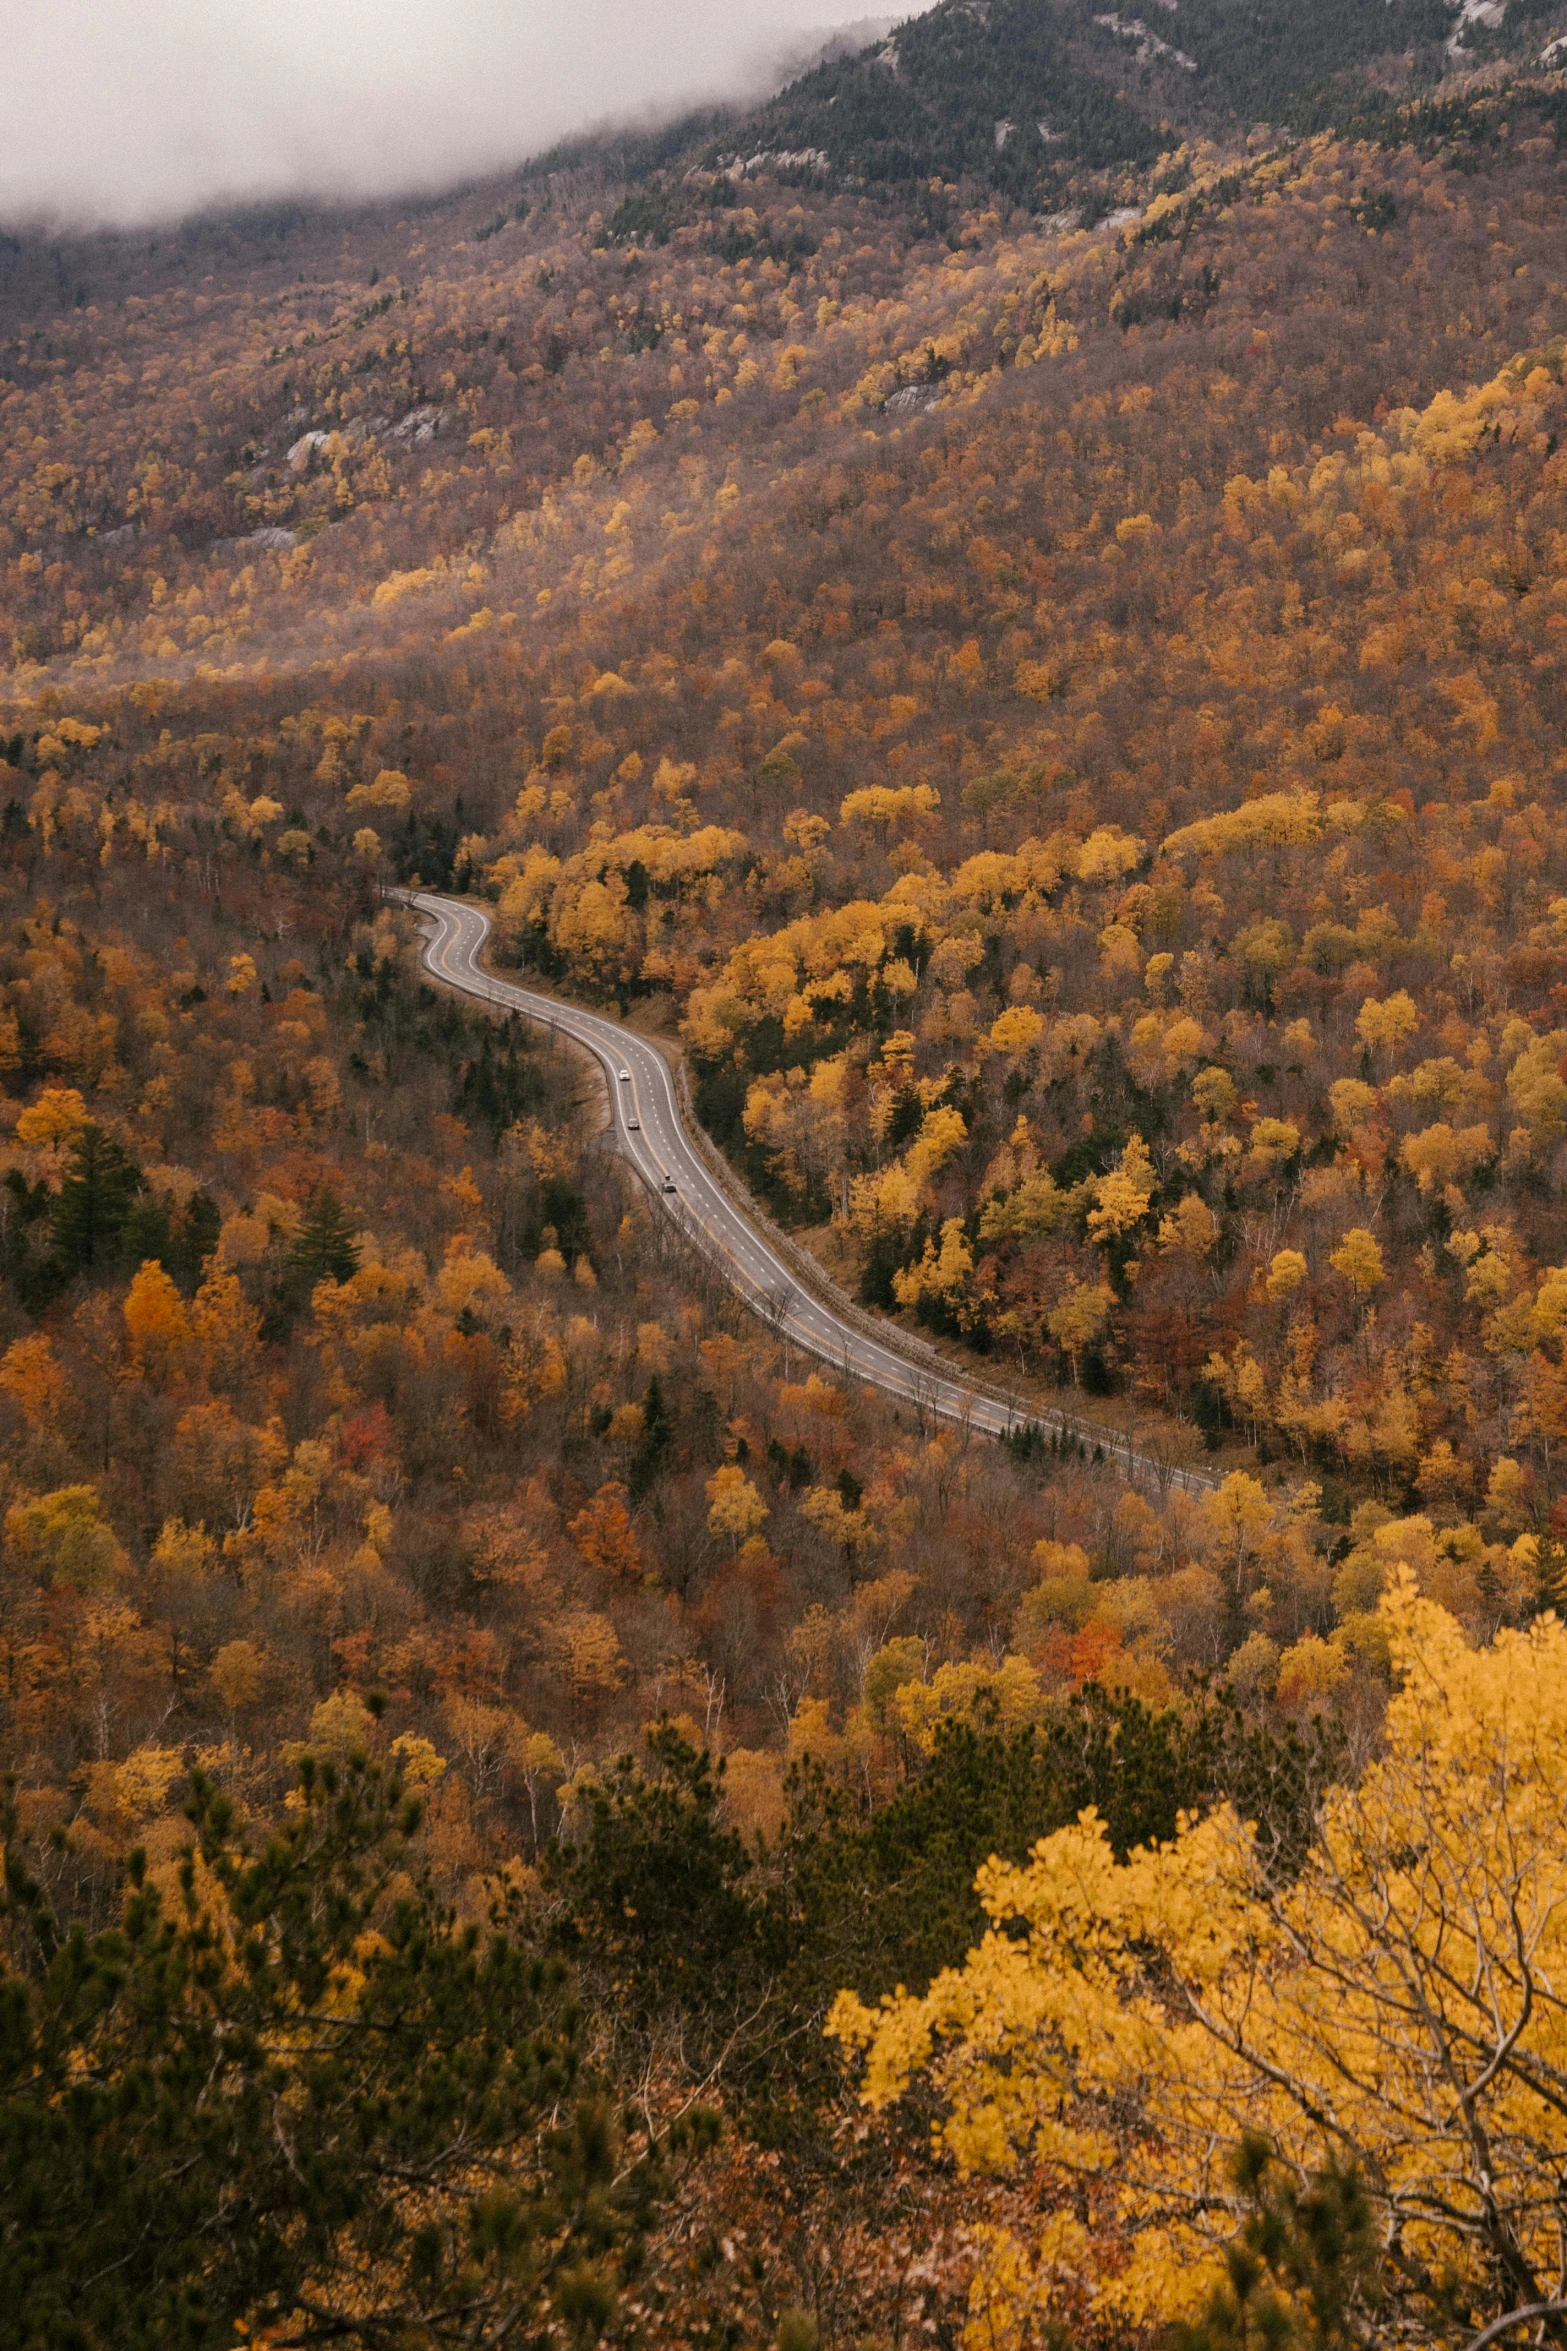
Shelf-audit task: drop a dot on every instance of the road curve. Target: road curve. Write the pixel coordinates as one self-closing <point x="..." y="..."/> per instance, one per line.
<point x="646" y="1123"/>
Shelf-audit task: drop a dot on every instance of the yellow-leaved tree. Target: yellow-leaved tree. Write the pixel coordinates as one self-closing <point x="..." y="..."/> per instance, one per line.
<point x="1394" y="2010"/>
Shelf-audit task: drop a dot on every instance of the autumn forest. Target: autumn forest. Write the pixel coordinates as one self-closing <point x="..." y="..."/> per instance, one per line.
<point x="535" y="1811"/>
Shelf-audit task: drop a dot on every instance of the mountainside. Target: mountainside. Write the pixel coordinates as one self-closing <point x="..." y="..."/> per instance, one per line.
<point x="693" y="559"/>
<point x="1029" y="95"/>
<point x="1035" y="666"/>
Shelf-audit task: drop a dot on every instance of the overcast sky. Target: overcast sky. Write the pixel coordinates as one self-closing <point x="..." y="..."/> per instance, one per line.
<point x="127" y="110"/>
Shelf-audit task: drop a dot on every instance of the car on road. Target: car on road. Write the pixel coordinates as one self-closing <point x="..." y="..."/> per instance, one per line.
<point x="668" y="1184"/>
<point x="625" y="1077"/>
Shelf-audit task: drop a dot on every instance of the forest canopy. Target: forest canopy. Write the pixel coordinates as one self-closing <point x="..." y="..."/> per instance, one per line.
<point x="1036" y="680"/>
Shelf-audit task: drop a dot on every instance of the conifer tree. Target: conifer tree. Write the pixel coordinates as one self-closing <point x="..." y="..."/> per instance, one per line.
<point x="324" y="1248"/>
<point x="295" y="2094"/>
<point x="97" y="1198"/>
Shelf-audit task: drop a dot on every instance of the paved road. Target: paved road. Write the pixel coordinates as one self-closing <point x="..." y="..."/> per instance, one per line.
<point x="648" y="1131"/>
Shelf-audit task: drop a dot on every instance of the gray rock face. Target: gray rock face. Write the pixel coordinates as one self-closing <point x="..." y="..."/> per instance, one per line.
<point x="272" y="538"/>
<point x="413" y="430"/>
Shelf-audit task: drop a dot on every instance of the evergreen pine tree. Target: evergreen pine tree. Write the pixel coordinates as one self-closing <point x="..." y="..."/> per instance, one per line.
<point x="199" y="2137"/>
<point x="1301" y="2271"/>
<point x="657" y="1435"/>
<point x="1550" y="1579"/>
<point x="101" y="1188"/>
<point x="193" y="1239"/>
<point x="146" y="1232"/>
<point x="324" y="1249"/>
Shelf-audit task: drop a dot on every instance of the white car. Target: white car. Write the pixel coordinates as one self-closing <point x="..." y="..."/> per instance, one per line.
<point x="634" y="1126"/>
<point x="625" y="1077"/>
<point x="668" y="1184"/>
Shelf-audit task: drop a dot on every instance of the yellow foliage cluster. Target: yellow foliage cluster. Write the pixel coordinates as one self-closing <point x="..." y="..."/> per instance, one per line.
<point x="1395" y="2005"/>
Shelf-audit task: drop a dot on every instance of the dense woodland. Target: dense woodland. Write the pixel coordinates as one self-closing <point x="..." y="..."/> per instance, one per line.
<point x="1057" y="717"/>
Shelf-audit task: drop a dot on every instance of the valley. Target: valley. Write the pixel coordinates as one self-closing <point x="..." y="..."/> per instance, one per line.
<point x="783" y="1291"/>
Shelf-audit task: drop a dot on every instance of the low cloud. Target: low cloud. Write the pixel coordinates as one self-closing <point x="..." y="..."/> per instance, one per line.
<point x="122" y="114"/>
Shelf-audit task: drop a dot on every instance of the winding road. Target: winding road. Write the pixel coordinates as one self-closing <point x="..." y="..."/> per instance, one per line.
<point x="649" y="1132"/>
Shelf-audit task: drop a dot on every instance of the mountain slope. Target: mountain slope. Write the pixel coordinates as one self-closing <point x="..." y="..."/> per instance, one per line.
<point x="827" y="629"/>
<point x="1062" y="719"/>
<point x="1026" y="94"/>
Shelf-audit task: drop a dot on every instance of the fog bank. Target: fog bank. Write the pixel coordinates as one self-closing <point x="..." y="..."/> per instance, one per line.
<point x="122" y="114"/>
